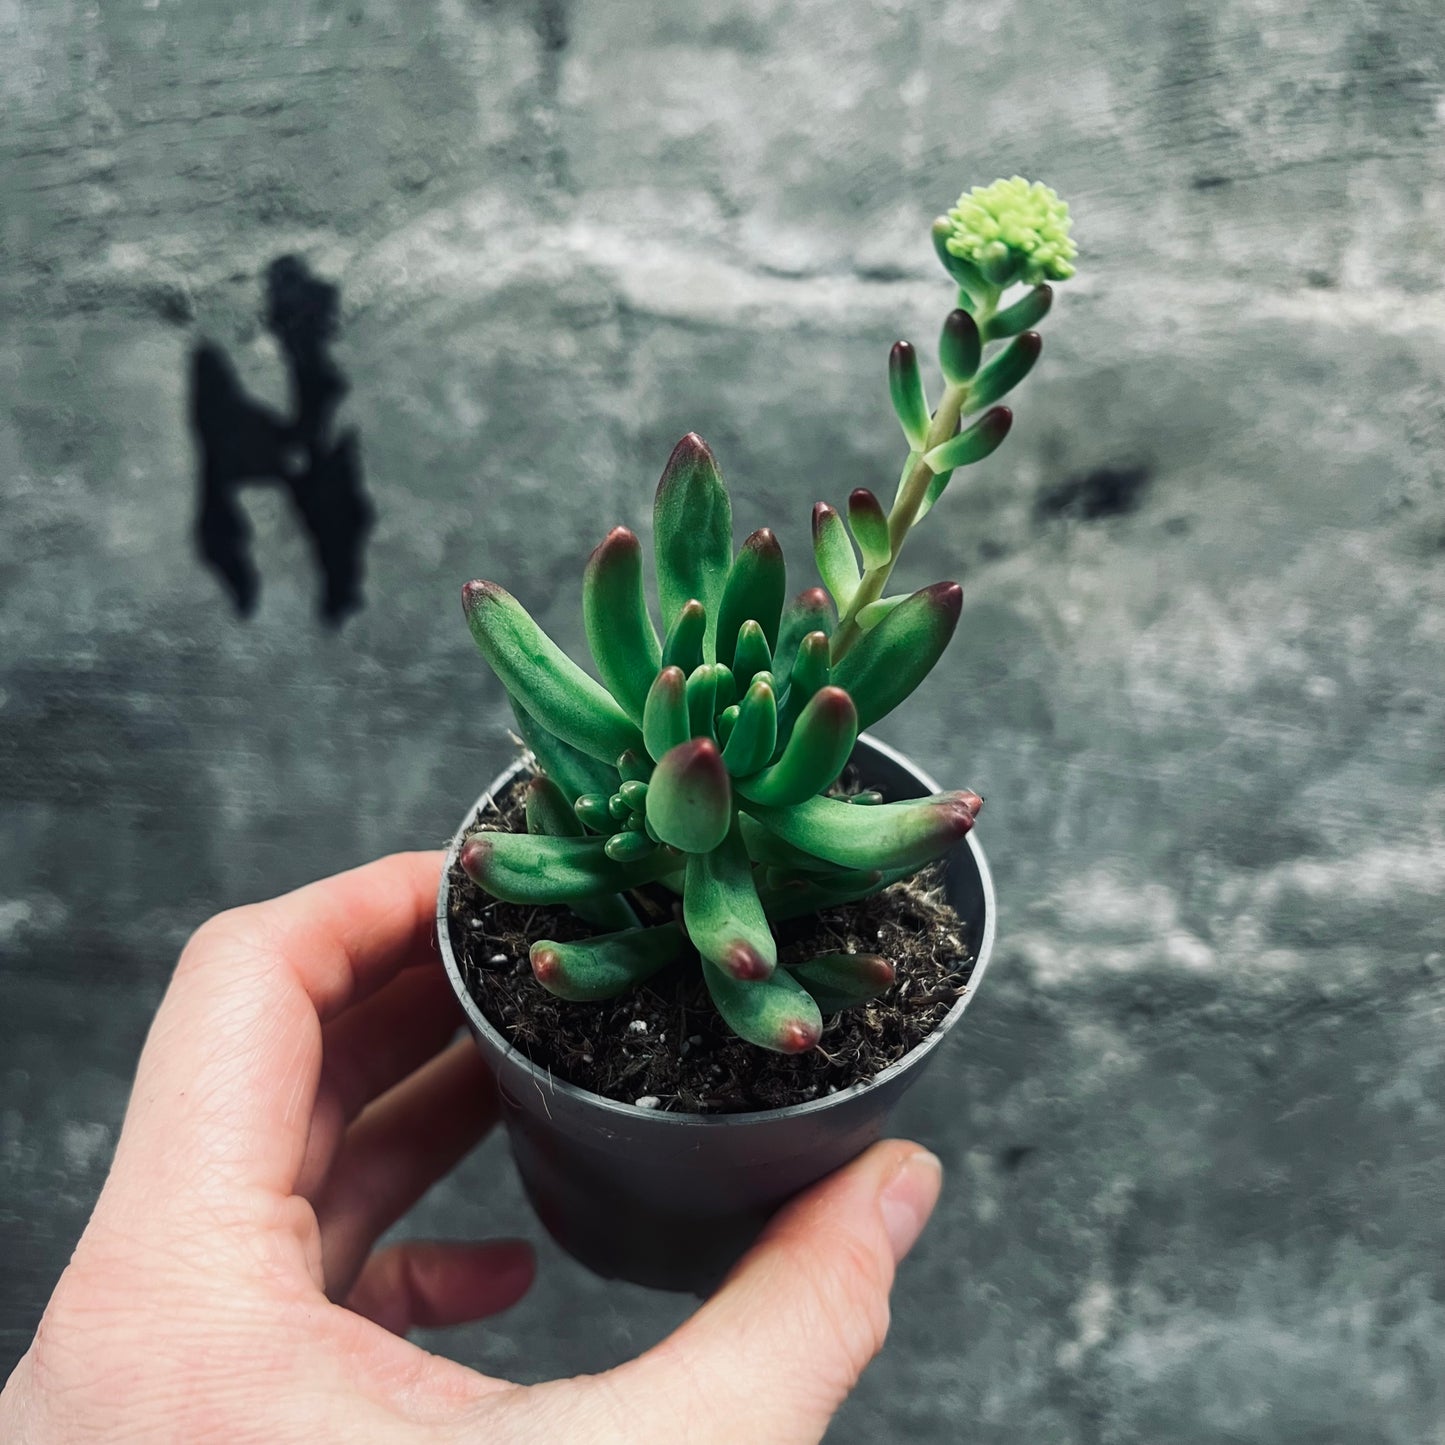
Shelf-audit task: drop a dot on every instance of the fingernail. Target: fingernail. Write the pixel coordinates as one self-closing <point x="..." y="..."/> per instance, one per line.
<point x="908" y="1199"/>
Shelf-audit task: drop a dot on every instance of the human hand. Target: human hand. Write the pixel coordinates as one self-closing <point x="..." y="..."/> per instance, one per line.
<point x="297" y="1094"/>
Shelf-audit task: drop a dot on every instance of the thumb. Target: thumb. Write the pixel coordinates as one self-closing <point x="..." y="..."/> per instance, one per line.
<point x="775" y="1352"/>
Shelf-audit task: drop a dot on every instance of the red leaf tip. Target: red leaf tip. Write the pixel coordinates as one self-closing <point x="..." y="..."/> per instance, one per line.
<point x="744" y="962"/>
<point x="546" y="963"/>
<point x="476" y="592"/>
<point x="797" y="1036"/>
<point x="956" y="816"/>
<point x="690" y="448"/>
<point x="764" y="542"/>
<point x="833" y="701"/>
<point x="878" y="970"/>
<point x="619" y="539"/>
<point x="474" y="856"/>
<point x="697" y="753"/>
<point x="948" y="596"/>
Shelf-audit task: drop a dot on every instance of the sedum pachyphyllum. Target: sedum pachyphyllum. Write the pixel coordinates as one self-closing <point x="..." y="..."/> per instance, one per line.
<point x="704" y="759"/>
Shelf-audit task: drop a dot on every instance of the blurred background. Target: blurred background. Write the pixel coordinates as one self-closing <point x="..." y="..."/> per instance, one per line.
<point x="468" y="268"/>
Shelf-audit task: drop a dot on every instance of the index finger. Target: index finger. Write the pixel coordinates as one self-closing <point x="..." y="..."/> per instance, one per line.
<point x="228" y="1077"/>
<point x="342" y="937"/>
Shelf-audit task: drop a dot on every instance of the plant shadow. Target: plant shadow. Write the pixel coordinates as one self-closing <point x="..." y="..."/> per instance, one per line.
<point x="243" y="442"/>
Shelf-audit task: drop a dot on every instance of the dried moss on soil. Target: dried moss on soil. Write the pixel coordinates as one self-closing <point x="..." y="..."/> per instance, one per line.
<point x="664" y="1040"/>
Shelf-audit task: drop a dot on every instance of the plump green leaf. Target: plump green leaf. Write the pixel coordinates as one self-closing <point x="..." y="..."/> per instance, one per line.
<point x="701" y="700"/>
<point x="765" y="847"/>
<point x="1002" y="266"/>
<point x="815" y="755"/>
<point x="603" y="967"/>
<point x="629" y="847"/>
<point x="634" y="766"/>
<point x="936" y="488"/>
<point x="521" y="868"/>
<point x="684" y="645"/>
<point x="870" y="616"/>
<point x="727" y="687"/>
<point x="549" y="815"/>
<point x="891" y="659"/>
<point x="869" y="525"/>
<point x="888" y="836"/>
<point x="812" y="671"/>
<point x="726" y="722"/>
<point x="722" y="914"/>
<point x="905" y="387"/>
<point x="1006" y="370"/>
<point x="619" y="628"/>
<point x="755" y="732"/>
<point x="1021" y="315"/>
<point x="972" y="285"/>
<point x="840" y="980"/>
<point x="833" y="552"/>
<point x="548" y="812"/>
<point x="753" y="655"/>
<point x="960" y="347"/>
<point x="664" y="716"/>
<point x="775" y="1013"/>
<point x="692" y="529"/>
<point x="810" y="611"/>
<point x="804" y="895"/>
<point x="689" y="800"/>
<point x="755" y="589"/>
<point x="573" y="771"/>
<point x="634" y="794"/>
<point x="592" y="812"/>
<point x="542" y="679"/>
<point x="980" y="440"/>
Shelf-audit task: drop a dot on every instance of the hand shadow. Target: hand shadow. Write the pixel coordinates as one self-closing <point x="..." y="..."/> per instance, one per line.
<point x="243" y="442"/>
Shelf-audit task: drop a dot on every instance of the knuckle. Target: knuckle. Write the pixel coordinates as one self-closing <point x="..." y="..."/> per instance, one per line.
<point x="235" y="934"/>
<point x="218" y="933"/>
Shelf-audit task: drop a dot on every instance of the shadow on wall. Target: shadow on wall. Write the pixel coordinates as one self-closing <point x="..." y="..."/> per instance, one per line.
<point x="243" y="442"/>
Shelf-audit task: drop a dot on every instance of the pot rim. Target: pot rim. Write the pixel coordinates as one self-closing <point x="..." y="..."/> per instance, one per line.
<point x="545" y="1079"/>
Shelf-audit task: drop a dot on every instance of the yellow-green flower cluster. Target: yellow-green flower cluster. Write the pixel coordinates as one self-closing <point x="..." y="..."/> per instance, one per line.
<point x="1013" y="231"/>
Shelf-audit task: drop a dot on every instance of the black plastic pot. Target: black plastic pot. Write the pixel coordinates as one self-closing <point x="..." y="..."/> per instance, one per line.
<point x="671" y="1200"/>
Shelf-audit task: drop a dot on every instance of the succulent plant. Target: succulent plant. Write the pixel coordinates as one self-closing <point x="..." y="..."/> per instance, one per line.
<point x="705" y="758"/>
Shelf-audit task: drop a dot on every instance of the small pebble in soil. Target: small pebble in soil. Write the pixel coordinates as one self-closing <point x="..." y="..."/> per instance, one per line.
<point x="648" y="1101"/>
<point x="497" y="960"/>
<point x="637" y="1026"/>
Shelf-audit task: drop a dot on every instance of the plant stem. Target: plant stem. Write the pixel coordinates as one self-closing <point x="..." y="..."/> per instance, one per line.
<point x="904" y="512"/>
<point x="901" y="517"/>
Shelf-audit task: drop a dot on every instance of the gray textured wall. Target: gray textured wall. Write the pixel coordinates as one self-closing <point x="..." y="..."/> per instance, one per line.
<point x="1194" y="1131"/>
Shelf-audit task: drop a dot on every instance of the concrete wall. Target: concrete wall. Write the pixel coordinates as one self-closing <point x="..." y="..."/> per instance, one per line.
<point x="1194" y="1137"/>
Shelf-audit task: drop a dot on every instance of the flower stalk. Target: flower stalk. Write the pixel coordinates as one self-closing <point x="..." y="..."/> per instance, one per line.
<point x="995" y="237"/>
